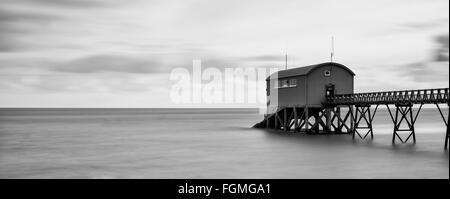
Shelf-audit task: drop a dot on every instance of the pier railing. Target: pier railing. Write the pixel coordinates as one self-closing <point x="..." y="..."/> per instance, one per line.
<point x="422" y="96"/>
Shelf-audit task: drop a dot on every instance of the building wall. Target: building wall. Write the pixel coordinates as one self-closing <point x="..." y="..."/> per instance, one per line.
<point x="317" y="82"/>
<point x="291" y="96"/>
<point x="310" y="89"/>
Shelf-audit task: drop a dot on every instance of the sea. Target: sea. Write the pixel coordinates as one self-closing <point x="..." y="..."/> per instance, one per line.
<point x="205" y="143"/>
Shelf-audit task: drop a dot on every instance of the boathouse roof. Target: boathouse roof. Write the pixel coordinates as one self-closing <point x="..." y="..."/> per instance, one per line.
<point x="305" y="70"/>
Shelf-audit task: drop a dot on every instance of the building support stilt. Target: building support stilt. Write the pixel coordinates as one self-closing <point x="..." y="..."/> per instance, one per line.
<point x="338" y="123"/>
<point x="295" y="120"/>
<point x="306" y="111"/>
<point x="301" y="121"/>
<point x="315" y="126"/>
<point x="337" y="114"/>
<point x="276" y="120"/>
<point x="328" y="119"/>
<point x="285" y="119"/>
<point x="290" y="119"/>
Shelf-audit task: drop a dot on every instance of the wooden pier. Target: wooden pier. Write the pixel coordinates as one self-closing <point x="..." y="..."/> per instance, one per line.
<point x="354" y="113"/>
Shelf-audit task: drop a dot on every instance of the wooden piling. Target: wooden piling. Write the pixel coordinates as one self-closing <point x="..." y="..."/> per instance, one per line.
<point x="295" y="120"/>
<point x="306" y="110"/>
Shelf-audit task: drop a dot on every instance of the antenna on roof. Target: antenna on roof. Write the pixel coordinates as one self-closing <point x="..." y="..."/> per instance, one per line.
<point x="285" y="64"/>
<point x="286" y="57"/>
<point x="332" y="48"/>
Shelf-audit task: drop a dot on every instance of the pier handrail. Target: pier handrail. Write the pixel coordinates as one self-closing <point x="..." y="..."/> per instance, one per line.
<point x="418" y="96"/>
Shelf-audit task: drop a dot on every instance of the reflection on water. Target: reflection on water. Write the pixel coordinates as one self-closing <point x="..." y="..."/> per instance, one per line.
<point x="204" y="143"/>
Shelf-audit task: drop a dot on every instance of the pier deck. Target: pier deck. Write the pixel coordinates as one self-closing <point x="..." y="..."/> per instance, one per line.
<point x="423" y="96"/>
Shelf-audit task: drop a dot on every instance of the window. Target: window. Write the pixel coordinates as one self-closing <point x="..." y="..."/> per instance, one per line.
<point x="329" y="90"/>
<point x="284" y="83"/>
<point x="292" y="83"/>
<point x="287" y="83"/>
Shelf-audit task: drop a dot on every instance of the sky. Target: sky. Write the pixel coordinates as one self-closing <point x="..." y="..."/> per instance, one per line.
<point x="104" y="53"/>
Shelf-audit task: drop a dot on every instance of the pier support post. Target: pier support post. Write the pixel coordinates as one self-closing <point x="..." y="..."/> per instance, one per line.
<point x="404" y="114"/>
<point x="446" y="124"/>
<point x="362" y="113"/>
<point x="447" y="135"/>
<point x="352" y="118"/>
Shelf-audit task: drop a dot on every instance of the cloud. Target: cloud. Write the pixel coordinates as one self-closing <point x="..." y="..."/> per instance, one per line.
<point x="9" y="15"/>
<point x="422" y="72"/>
<point x="110" y="63"/>
<point x="7" y="45"/>
<point x="73" y="45"/>
<point x="66" y="3"/>
<point x="442" y="53"/>
<point x="425" y="24"/>
<point x="415" y="26"/>
<point x="83" y="83"/>
<point x="263" y="58"/>
<point x="16" y="25"/>
<point x="36" y="24"/>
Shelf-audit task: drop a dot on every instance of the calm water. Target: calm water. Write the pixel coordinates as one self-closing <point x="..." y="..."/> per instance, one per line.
<point x="208" y="143"/>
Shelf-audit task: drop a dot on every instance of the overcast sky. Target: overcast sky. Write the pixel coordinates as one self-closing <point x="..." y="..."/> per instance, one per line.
<point x="104" y="53"/>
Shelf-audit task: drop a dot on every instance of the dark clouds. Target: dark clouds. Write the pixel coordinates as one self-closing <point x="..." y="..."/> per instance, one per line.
<point x="442" y="53"/>
<point x="110" y="63"/>
<point x="23" y="22"/>
<point x="425" y="24"/>
<point x="67" y="3"/>
<point x="18" y="26"/>
<point x="106" y="46"/>
<point x="11" y="16"/>
<point x="422" y="72"/>
<point x="415" y="26"/>
<point x="79" y="83"/>
<point x="264" y="58"/>
<point x="148" y="63"/>
<point x="7" y="45"/>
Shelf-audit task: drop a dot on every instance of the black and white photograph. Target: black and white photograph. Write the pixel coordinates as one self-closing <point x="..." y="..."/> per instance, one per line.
<point x="215" y="89"/>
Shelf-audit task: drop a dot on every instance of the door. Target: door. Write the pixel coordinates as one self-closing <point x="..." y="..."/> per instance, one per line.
<point x="329" y="90"/>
